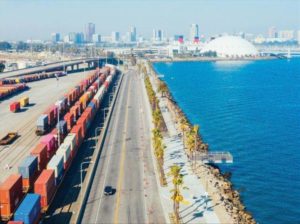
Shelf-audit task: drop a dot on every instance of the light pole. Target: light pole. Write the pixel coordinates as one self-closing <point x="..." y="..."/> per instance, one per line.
<point x="104" y="113"/>
<point x="81" y="175"/>
<point x="96" y="131"/>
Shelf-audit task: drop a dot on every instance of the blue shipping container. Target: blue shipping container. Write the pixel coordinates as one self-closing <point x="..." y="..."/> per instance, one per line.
<point x="29" y="209"/>
<point x="62" y="127"/>
<point x="28" y="167"/>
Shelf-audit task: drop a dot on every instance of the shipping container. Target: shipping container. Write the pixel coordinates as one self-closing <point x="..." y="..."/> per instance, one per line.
<point x="57" y="164"/>
<point x="40" y="151"/>
<point x="28" y="169"/>
<point x="69" y="118"/>
<point x="42" y="124"/>
<point x="77" y="130"/>
<point x="29" y="210"/>
<point x="45" y="186"/>
<point x="14" y="107"/>
<point x="15" y="222"/>
<point x="71" y="140"/>
<point x="24" y="101"/>
<point x="65" y="150"/>
<point x="11" y="195"/>
<point x="50" y="142"/>
<point x="62" y="127"/>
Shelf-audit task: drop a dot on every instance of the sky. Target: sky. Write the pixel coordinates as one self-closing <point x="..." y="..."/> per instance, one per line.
<point x="37" y="19"/>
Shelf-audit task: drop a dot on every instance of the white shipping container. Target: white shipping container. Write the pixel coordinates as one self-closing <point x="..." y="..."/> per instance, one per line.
<point x="56" y="164"/>
<point x="65" y="150"/>
<point x="71" y="139"/>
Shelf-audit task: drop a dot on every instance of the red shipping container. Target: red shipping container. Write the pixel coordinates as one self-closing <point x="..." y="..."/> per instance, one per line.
<point x="15" y="222"/>
<point x="27" y="183"/>
<point x="77" y="130"/>
<point x="69" y="118"/>
<point x="82" y="123"/>
<point x="50" y="113"/>
<point x="74" y="111"/>
<point x="10" y="195"/>
<point x="40" y="151"/>
<point x="45" y="186"/>
<point x="14" y="107"/>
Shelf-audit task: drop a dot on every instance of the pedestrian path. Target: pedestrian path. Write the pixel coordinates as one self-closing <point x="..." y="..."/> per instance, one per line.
<point x="197" y="206"/>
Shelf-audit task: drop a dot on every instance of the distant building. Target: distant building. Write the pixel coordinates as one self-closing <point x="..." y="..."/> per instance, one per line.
<point x="96" y="38"/>
<point x="115" y="37"/>
<point x="72" y="37"/>
<point x="194" y="32"/>
<point x="55" y="37"/>
<point x="133" y="35"/>
<point x="272" y="32"/>
<point x="178" y="38"/>
<point x="157" y="35"/>
<point x="79" y="38"/>
<point x="286" y="34"/>
<point x="89" y="32"/>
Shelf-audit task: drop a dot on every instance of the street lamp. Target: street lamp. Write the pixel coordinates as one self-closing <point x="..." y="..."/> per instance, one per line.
<point x="104" y="113"/>
<point x="81" y="175"/>
<point x="96" y="131"/>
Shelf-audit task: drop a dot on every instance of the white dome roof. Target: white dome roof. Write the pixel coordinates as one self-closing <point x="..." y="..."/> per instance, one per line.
<point x="230" y="46"/>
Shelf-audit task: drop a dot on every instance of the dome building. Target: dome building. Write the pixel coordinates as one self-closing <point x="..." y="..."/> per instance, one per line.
<point x="230" y="47"/>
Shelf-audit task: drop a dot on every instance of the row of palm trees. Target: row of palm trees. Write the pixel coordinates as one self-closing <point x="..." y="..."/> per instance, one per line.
<point x="159" y="147"/>
<point x="157" y="138"/>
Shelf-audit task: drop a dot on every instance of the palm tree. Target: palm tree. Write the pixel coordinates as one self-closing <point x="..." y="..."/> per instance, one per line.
<point x="176" y="191"/>
<point x="183" y="127"/>
<point x="195" y="131"/>
<point x="162" y="88"/>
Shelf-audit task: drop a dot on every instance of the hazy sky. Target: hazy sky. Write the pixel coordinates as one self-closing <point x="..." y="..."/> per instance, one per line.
<point x="25" y="19"/>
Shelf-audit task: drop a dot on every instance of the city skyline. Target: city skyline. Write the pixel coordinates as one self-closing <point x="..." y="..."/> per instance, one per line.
<point x="61" y="17"/>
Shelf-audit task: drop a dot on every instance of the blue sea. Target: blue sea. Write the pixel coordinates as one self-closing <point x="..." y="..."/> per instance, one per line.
<point x="251" y="109"/>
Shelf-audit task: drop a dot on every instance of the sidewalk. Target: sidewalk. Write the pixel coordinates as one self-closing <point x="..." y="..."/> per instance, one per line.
<point x="197" y="206"/>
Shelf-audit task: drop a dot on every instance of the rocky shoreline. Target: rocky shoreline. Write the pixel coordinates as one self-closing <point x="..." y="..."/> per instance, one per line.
<point x="229" y="207"/>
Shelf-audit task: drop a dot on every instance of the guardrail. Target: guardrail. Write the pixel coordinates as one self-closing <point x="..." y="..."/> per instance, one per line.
<point x="96" y="157"/>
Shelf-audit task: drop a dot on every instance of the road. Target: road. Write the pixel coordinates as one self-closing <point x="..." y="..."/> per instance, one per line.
<point x="51" y="66"/>
<point x="126" y="164"/>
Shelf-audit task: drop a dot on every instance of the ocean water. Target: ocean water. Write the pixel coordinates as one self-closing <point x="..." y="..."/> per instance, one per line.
<point x="251" y="109"/>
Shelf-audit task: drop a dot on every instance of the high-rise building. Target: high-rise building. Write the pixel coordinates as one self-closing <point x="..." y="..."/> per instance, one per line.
<point x="89" y="32"/>
<point x="157" y="35"/>
<point x="272" y="32"/>
<point x="133" y="34"/>
<point x="194" y="32"/>
<point x="115" y="37"/>
<point x="96" y="38"/>
<point x="79" y="38"/>
<point x="286" y="34"/>
<point x="55" y="37"/>
<point x="72" y="37"/>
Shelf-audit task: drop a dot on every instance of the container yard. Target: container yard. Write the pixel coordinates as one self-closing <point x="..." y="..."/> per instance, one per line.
<point x="49" y="136"/>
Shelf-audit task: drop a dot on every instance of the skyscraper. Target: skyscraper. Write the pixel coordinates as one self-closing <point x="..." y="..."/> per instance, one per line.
<point x="89" y="32"/>
<point x="157" y="35"/>
<point x="115" y="36"/>
<point x="194" y="32"/>
<point x="96" y="38"/>
<point x="272" y="32"/>
<point x="55" y="37"/>
<point x="132" y="34"/>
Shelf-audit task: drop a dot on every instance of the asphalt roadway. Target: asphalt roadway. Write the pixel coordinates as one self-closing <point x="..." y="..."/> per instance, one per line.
<point x="126" y="164"/>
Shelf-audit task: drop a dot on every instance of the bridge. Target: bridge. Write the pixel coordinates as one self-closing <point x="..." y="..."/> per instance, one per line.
<point x="71" y="65"/>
